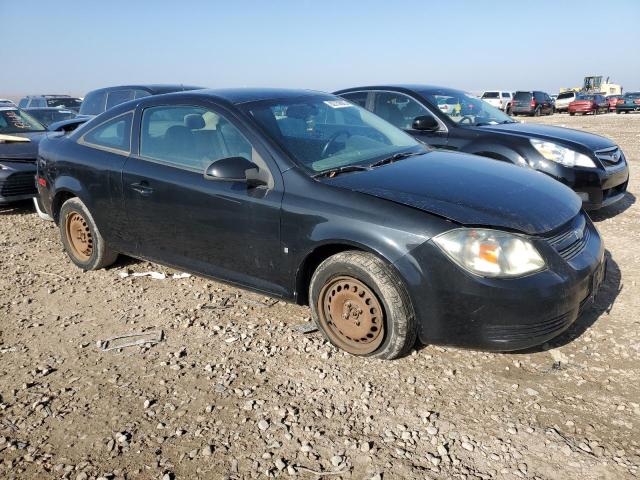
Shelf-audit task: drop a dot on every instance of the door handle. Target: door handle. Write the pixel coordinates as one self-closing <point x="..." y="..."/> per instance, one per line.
<point x="142" y="188"/>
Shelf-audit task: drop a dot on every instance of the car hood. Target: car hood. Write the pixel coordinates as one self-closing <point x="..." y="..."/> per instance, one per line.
<point x="22" y="151"/>
<point x="551" y="133"/>
<point x="469" y="190"/>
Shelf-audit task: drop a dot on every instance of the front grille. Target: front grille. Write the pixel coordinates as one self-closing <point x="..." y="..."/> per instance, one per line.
<point x="572" y="240"/>
<point x="609" y="156"/>
<point x="21" y="183"/>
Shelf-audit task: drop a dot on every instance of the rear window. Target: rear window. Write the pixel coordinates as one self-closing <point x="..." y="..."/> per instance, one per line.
<point x="490" y="95"/>
<point x="632" y="95"/>
<point x="566" y="95"/>
<point x="93" y="103"/>
<point x="522" y="96"/>
<point x="72" y="103"/>
<point x="117" y="97"/>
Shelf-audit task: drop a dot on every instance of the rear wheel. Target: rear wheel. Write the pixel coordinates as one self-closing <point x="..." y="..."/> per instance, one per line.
<point x="536" y="112"/>
<point x="572" y="113"/>
<point x="81" y="238"/>
<point x="361" y="306"/>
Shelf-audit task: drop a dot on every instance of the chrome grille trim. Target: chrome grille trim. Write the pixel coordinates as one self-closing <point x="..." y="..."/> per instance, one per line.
<point x="610" y="156"/>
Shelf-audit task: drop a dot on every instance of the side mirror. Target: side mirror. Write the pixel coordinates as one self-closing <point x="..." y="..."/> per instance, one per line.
<point x="234" y="169"/>
<point x="425" y="123"/>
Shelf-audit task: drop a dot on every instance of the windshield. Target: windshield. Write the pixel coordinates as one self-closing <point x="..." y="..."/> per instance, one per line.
<point x="64" y="102"/>
<point x="463" y="108"/>
<point x="47" y="116"/>
<point x="584" y="97"/>
<point x="325" y="132"/>
<point x="17" y="121"/>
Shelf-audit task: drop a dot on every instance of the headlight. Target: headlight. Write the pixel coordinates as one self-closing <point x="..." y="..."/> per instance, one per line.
<point x="561" y="155"/>
<point x="490" y="253"/>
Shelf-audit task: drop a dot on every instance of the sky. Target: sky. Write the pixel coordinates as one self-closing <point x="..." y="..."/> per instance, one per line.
<point x="72" y="46"/>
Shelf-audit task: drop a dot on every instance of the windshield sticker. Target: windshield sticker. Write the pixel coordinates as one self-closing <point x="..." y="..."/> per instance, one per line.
<point x="337" y="103"/>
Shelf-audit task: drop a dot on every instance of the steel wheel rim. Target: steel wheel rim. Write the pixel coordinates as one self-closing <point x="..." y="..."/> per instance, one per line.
<point x="79" y="235"/>
<point x="352" y="315"/>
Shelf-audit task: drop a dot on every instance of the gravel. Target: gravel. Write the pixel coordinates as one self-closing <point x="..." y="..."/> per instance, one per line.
<point x="237" y="389"/>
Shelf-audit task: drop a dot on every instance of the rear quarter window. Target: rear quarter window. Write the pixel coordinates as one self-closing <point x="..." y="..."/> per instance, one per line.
<point x="114" y="134"/>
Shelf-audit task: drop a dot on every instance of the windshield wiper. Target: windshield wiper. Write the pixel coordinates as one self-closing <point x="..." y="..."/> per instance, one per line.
<point x="332" y="172"/>
<point x="394" y="158"/>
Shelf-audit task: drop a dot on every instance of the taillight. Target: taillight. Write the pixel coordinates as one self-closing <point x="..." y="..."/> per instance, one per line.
<point x="533" y="102"/>
<point x="42" y="181"/>
<point x="620" y="100"/>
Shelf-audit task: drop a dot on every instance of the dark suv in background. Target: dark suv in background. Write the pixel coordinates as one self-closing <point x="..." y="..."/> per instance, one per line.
<point x="450" y="119"/>
<point x="51" y="101"/>
<point x="102" y="99"/>
<point x="533" y="103"/>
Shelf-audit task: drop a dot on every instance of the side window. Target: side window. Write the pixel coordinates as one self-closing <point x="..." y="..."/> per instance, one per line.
<point x="23" y="103"/>
<point x="117" y="97"/>
<point x="359" y="98"/>
<point x="114" y="133"/>
<point x="93" y="103"/>
<point x="506" y="95"/>
<point x="191" y="137"/>
<point x="398" y="109"/>
<point x="140" y="93"/>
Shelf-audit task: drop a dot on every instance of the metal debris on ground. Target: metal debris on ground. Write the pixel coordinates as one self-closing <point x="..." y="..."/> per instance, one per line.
<point x="309" y="327"/>
<point x="154" y="275"/>
<point x="131" y="340"/>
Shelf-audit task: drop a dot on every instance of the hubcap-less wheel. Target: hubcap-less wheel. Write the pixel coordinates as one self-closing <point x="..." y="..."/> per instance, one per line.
<point x="351" y="315"/>
<point x="79" y="235"/>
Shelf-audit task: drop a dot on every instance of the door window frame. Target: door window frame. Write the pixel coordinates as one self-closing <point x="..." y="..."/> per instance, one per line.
<point x="443" y="127"/>
<point x="253" y="139"/>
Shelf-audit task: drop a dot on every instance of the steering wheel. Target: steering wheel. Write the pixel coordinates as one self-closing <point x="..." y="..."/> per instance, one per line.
<point x="332" y="139"/>
<point x="467" y="118"/>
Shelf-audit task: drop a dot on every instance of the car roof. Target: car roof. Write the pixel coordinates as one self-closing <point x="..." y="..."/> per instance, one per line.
<point x="246" y="95"/>
<point x="399" y="87"/>
<point x="8" y="107"/>
<point x="49" y="96"/>
<point x="153" y="88"/>
<point x="42" y="109"/>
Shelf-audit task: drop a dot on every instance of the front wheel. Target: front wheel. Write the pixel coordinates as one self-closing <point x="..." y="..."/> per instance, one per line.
<point x="536" y="112"/>
<point x="571" y="113"/>
<point x="81" y="238"/>
<point x="361" y="306"/>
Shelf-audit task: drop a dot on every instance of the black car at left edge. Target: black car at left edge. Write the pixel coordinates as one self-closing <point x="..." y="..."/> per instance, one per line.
<point x="19" y="137"/>
<point x="592" y="165"/>
<point x="305" y="196"/>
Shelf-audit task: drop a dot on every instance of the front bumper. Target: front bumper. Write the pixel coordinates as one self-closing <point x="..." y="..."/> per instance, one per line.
<point x="17" y="181"/>
<point x="454" y="307"/>
<point x="627" y="108"/>
<point x="597" y="187"/>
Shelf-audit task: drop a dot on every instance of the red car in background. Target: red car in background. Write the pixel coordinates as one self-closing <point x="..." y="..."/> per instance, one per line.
<point x="613" y="100"/>
<point x="589" y="104"/>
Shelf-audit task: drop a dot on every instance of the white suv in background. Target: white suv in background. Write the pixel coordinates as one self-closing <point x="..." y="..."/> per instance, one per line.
<point x="563" y="101"/>
<point x="498" y="99"/>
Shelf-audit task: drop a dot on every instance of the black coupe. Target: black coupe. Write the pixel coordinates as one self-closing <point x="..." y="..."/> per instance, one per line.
<point x="304" y="196"/>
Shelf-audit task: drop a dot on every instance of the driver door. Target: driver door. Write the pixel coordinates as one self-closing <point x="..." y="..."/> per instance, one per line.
<point x="223" y="229"/>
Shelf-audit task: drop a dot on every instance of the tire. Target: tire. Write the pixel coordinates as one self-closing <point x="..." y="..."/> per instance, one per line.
<point x="40" y="209"/>
<point x="81" y="238"/>
<point x="508" y="110"/>
<point x="536" y="112"/>
<point x="350" y="282"/>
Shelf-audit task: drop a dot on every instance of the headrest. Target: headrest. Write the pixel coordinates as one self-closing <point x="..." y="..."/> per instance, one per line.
<point x="301" y="111"/>
<point x="194" y="121"/>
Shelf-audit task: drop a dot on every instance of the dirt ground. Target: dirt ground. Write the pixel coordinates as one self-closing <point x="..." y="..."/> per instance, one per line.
<point x="236" y="390"/>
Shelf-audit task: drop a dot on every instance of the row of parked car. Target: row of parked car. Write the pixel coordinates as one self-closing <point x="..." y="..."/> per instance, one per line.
<point x="537" y="103"/>
<point x="393" y="211"/>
